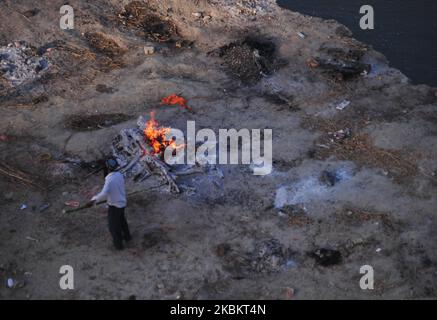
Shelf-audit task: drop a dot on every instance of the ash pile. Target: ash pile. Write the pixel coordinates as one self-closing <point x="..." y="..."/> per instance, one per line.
<point x="140" y="152"/>
<point x="20" y="62"/>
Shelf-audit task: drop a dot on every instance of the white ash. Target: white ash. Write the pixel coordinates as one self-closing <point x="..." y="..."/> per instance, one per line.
<point x="19" y="63"/>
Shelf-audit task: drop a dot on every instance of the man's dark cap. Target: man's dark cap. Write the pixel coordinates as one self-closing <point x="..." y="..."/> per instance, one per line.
<point x="111" y="164"/>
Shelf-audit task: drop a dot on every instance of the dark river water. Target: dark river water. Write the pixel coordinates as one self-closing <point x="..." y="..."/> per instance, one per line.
<point x="405" y="30"/>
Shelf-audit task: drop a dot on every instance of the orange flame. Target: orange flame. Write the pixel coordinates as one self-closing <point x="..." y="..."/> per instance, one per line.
<point x="156" y="136"/>
<point x="174" y="99"/>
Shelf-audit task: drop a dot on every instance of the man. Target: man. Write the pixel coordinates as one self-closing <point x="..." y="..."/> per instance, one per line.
<point x="114" y="192"/>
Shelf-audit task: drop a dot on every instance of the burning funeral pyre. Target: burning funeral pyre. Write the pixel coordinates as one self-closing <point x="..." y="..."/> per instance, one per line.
<point x="139" y="151"/>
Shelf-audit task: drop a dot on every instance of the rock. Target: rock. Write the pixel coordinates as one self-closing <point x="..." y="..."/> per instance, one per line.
<point x="148" y="50"/>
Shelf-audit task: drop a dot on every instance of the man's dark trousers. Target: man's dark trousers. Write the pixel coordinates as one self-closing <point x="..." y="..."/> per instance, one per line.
<point x="118" y="226"/>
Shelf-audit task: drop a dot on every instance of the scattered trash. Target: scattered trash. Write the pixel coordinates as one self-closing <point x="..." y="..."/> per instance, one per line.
<point x="23" y="206"/>
<point x="302" y="35"/>
<point x="31" y="239"/>
<point x="197" y="14"/>
<point x="321" y="145"/>
<point x="290" y="264"/>
<point x="281" y="214"/>
<point x="174" y="99"/>
<point x="44" y="207"/>
<point x="326" y="257"/>
<point x="343" y="104"/>
<point x="10" y="283"/>
<point x="73" y="204"/>
<point x="148" y="50"/>
<point x="3" y="138"/>
<point x="340" y="135"/>
<point x="378" y="250"/>
<point x="206" y="18"/>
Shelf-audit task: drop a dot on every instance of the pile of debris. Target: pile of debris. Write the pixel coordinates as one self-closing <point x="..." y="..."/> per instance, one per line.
<point x="249" y="59"/>
<point x="20" y="62"/>
<point x="268" y="256"/>
<point x="340" y="64"/>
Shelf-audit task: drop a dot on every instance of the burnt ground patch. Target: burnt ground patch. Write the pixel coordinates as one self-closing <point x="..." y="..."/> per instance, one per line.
<point x="79" y="122"/>
<point x="140" y="18"/>
<point x="104" y="45"/>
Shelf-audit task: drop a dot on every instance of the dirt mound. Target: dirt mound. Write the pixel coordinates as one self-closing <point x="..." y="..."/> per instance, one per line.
<point x="79" y="122"/>
<point x="249" y="59"/>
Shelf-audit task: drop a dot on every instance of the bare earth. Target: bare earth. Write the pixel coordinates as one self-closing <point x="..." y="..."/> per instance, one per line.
<point x="368" y="195"/>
